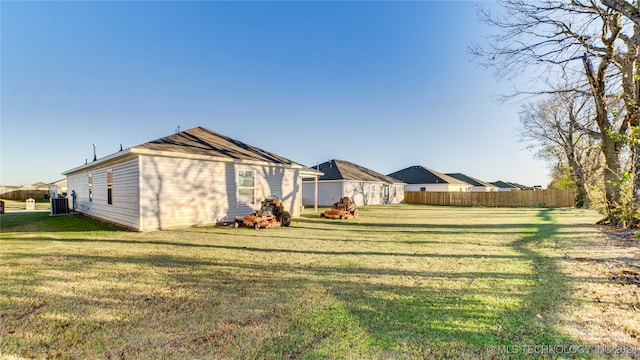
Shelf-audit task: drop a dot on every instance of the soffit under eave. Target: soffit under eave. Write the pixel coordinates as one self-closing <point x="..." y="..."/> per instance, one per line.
<point x="103" y="162"/>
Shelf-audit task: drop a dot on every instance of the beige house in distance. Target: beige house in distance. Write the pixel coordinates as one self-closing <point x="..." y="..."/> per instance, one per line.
<point x="478" y="185"/>
<point x="420" y="178"/>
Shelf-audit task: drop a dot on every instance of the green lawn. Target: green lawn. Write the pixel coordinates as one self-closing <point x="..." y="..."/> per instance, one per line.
<point x="397" y="282"/>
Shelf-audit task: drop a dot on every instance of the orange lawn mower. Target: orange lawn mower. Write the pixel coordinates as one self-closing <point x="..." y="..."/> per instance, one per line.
<point x="343" y="209"/>
<point x="271" y="214"/>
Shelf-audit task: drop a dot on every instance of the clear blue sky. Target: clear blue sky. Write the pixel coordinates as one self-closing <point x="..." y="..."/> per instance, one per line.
<point x="385" y="85"/>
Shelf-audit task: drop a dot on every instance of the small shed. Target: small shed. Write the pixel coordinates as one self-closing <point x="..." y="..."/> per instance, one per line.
<point x="194" y="177"/>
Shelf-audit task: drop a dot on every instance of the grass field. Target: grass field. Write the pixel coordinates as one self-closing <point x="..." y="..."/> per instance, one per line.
<point x="401" y="282"/>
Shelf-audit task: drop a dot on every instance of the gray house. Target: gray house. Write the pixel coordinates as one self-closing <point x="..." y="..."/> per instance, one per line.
<point x="194" y="177"/>
<point x="505" y="186"/>
<point x="420" y="178"/>
<point x="478" y="185"/>
<point x="342" y="178"/>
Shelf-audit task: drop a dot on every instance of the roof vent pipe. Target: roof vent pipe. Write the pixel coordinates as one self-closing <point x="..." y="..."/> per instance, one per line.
<point x="94" y="152"/>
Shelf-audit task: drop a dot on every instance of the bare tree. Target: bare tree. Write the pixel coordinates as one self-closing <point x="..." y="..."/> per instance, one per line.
<point x="562" y="39"/>
<point x="560" y="128"/>
<point x="627" y="9"/>
<point x="628" y="61"/>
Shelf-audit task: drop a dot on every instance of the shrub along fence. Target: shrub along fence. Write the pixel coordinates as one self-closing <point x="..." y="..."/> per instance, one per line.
<point x="520" y="198"/>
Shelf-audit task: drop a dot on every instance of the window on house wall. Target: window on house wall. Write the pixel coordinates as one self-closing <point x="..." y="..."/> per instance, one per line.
<point x="90" y="187"/>
<point x="422" y="188"/>
<point x="381" y="192"/>
<point x="373" y="191"/>
<point x="395" y="192"/>
<point x="246" y="187"/>
<point x="109" y="187"/>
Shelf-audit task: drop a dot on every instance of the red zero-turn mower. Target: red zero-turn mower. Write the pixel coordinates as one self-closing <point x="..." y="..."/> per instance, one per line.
<point x="344" y="209"/>
<point x="271" y="214"/>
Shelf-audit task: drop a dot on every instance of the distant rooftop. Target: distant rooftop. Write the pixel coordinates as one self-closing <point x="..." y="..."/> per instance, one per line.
<point x="344" y="170"/>
<point x="470" y="180"/>
<point x="422" y="175"/>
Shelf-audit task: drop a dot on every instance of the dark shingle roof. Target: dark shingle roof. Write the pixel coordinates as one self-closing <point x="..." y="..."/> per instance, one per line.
<point x="470" y="180"/>
<point x="520" y="186"/>
<point x="503" y="185"/>
<point x="201" y="141"/>
<point x="344" y="170"/>
<point x="422" y="175"/>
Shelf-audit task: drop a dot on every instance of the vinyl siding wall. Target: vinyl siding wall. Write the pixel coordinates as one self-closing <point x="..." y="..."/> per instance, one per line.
<point x="360" y="192"/>
<point x="460" y="188"/>
<point x="437" y="187"/>
<point x="330" y="191"/>
<point x="124" y="208"/>
<point x="383" y="193"/>
<point x="399" y="193"/>
<point x="484" y="189"/>
<point x="179" y="192"/>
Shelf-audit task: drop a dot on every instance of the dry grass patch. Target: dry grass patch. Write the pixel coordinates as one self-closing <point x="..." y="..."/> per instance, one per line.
<point x="605" y="306"/>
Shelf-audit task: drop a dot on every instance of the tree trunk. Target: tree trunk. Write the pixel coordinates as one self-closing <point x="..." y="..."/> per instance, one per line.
<point x="611" y="173"/>
<point x="582" y="196"/>
<point x="610" y="146"/>
<point x="631" y="88"/>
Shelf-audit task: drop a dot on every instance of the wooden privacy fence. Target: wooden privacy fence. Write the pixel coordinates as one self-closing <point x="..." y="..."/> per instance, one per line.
<point x="521" y="198"/>
<point x="24" y="194"/>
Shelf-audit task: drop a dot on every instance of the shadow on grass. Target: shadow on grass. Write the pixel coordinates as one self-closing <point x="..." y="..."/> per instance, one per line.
<point x="283" y="250"/>
<point x="531" y="324"/>
<point x="34" y="222"/>
<point x="336" y="311"/>
<point x="378" y="320"/>
<point x="424" y="322"/>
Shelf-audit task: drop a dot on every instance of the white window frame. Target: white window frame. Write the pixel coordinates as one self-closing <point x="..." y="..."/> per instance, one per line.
<point x="110" y="187"/>
<point x="90" y="183"/>
<point x="240" y="188"/>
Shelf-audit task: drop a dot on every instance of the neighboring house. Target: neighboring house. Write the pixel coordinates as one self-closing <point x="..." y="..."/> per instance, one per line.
<point x="7" y="188"/>
<point x="362" y="185"/>
<point x="419" y="178"/>
<point x="505" y="186"/>
<point x="39" y="186"/>
<point x="194" y="177"/>
<point x="58" y="188"/>
<point x="520" y="186"/>
<point x="38" y="190"/>
<point x="478" y="185"/>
